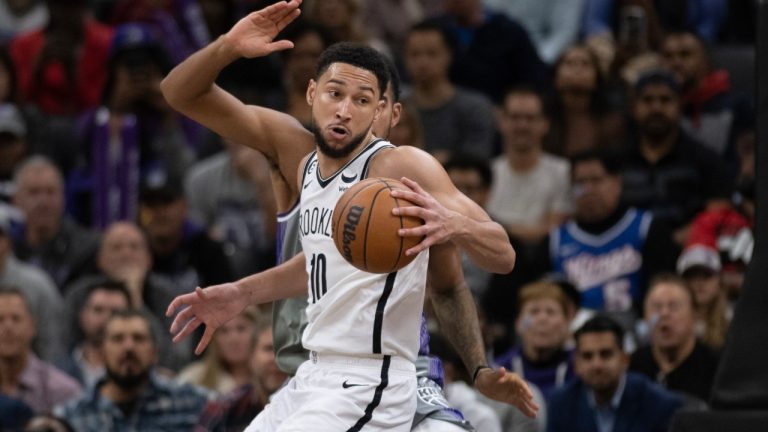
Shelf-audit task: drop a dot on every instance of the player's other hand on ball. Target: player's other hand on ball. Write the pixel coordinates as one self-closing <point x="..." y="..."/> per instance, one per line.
<point x="212" y="306"/>
<point x="507" y="387"/>
<point x="440" y="223"/>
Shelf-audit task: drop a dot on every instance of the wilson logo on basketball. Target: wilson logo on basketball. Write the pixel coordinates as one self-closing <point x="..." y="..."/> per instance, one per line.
<point x="350" y="226"/>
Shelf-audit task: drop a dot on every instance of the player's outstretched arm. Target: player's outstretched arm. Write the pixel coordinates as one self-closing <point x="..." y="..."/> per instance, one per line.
<point x="217" y="304"/>
<point x="190" y="89"/>
<point x="457" y="316"/>
<point x="448" y="214"/>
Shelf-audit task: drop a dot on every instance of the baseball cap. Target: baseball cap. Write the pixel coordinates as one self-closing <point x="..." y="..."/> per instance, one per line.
<point x="135" y="43"/>
<point x="699" y="256"/>
<point x="11" y="120"/>
<point x="160" y="190"/>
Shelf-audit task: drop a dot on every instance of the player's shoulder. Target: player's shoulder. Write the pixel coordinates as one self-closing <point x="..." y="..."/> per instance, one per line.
<point x="396" y="162"/>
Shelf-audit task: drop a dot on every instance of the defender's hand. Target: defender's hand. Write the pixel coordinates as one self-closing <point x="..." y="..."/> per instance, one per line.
<point x="508" y="387"/>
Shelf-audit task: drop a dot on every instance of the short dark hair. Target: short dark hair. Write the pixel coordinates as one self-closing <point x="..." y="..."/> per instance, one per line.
<point x="657" y="77"/>
<point x="470" y="162"/>
<point x="526" y="90"/>
<point x="133" y="313"/>
<point x="394" y="79"/>
<point x="106" y="284"/>
<point x="610" y="161"/>
<point x="601" y="323"/>
<point x="356" y="55"/>
<point x="672" y="279"/>
<point x="432" y="24"/>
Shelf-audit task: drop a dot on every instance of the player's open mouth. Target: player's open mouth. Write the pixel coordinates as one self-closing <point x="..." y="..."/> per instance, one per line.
<point x="338" y="132"/>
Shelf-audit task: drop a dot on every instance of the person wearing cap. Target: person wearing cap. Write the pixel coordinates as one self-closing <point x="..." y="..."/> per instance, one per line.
<point x="545" y="311"/>
<point x="665" y="170"/>
<point x="700" y="266"/>
<point x="675" y="357"/>
<point x="41" y="295"/>
<point x="13" y="146"/>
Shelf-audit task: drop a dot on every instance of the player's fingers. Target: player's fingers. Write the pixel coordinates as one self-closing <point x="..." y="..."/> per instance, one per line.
<point x="284" y="21"/>
<point x="409" y="196"/>
<point x="276" y="10"/>
<point x="205" y="340"/>
<point x="189" y="327"/>
<point x="178" y="302"/>
<point x="413" y="185"/>
<point x="280" y="45"/>
<point x="416" y="211"/>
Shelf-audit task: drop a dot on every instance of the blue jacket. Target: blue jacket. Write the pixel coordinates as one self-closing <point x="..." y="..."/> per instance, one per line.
<point x="645" y="407"/>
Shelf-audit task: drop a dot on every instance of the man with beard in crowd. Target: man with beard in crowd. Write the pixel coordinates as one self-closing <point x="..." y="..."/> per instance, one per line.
<point x="132" y="396"/>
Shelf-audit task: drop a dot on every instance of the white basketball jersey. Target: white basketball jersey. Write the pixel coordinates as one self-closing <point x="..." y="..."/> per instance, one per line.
<point x="350" y="311"/>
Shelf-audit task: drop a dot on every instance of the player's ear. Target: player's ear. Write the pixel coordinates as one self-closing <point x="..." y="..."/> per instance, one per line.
<point x="397" y="110"/>
<point x="379" y="109"/>
<point x="311" y="88"/>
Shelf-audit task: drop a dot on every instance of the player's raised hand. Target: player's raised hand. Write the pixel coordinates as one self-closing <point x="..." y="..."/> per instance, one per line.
<point x="212" y="306"/>
<point x="440" y="223"/>
<point x="253" y="36"/>
<point x="507" y="387"/>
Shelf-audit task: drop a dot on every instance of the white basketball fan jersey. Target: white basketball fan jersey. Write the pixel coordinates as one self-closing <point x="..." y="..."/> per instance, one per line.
<point x="350" y="311"/>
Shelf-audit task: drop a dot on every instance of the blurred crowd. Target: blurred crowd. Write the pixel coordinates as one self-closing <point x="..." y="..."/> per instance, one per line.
<point x="613" y="139"/>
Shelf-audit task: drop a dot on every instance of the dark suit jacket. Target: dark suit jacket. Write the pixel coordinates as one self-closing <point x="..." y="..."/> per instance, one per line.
<point x="645" y="407"/>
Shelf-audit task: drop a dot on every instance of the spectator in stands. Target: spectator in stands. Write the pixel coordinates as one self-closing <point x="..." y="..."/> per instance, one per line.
<point x="179" y="25"/>
<point x="21" y="16"/>
<point x="299" y="66"/>
<point x="124" y="256"/>
<point x="133" y="131"/>
<point x="343" y="20"/>
<point x="24" y="376"/>
<point x="48" y="238"/>
<point x="132" y="395"/>
<point x="42" y="297"/>
<point x="494" y="53"/>
<point x="237" y="409"/>
<point x="529" y="194"/>
<point x="704" y="17"/>
<point x="665" y="170"/>
<point x="712" y="113"/>
<point x="606" y="397"/>
<point x="13" y="147"/>
<point x="700" y="267"/>
<point x="230" y="193"/>
<point x="61" y="66"/>
<point x="226" y="363"/>
<point x="608" y="250"/>
<point x="455" y="120"/>
<point x="585" y="112"/>
<point x="14" y="413"/>
<point x="182" y="251"/>
<point x="390" y="20"/>
<point x="9" y="83"/>
<point x="85" y="361"/>
<point x="545" y="311"/>
<point x="675" y="358"/>
<point x="553" y="25"/>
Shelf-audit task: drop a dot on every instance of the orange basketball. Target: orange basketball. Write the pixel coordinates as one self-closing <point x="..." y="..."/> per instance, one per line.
<point x="365" y="230"/>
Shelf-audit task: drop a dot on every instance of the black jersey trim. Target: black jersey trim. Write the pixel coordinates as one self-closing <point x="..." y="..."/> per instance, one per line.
<point x="364" y="175"/>
<point x="376" y="396"/>
<point x="325" y="182"/>
<point x="378" y="321"/>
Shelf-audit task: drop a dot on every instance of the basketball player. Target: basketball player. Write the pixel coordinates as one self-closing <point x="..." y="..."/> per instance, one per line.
<point x="346" y="101"/>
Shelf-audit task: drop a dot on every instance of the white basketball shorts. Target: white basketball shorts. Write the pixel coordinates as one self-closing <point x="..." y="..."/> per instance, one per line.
<point x="333" y="393"/>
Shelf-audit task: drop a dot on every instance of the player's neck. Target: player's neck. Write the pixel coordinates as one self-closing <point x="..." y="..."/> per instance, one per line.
<point x="330" y="165"/>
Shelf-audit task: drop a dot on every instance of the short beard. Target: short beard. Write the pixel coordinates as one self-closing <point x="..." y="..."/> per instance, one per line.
<point x="130" y="381"/>
<point x="336" y="153"/>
